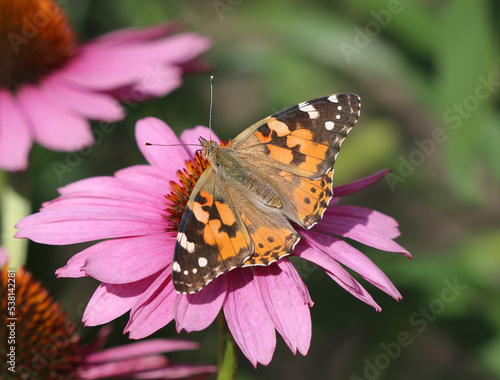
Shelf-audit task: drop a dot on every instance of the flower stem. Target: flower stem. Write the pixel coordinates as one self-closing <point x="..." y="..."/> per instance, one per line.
<point x="228" y="352"/>
<point x="13" y="208"/>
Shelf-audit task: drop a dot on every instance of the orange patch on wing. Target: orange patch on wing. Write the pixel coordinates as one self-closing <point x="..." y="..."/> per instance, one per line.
<point x="197" y="208"/>
<point x="281" y="154"/>
<point x="228" y="246"/>
<point x="311" y="164"/>
<point x="225" y="213"/>
<point x="279" y="127"/>
<point x="303" y="134"/>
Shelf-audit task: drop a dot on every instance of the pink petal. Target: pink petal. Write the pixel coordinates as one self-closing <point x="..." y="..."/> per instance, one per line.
<point x="119" y="65"/>
<point x="73" y="268"/>
<point x="111" y="301"/>
<point x="120" y="261"/>
<point x="375" y="220"/>
<point x="191" y="136"/>
<point x="127" y="35"/>
<point x="15" y="135"/>
<point x="160" y="81"/>
<point x="359" y="185"/>
<point x="286" y="306"/>
<point x="363" y="225"/>
<point x="248" y="319"/>
<point x="109" y="188"/>
<point x="286" y="266"/>
<point x="167" y="158"/>
<point x="149" y="347"/>
<point x="123" y="368"/>
<point x="179" y="371"/>
<point x="80" y="224"/>
<point x="195" y="312"/>
<point x="154" y="309"/>
<point x="156" y="180"/>
<point x="349" y="256"/>
<point x="53" y="126"/>
<point x="92" y="105"/>
<point x="333" y="269"/>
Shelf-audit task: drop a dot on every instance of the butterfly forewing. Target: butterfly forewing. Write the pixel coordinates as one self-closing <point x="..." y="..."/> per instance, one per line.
<point x="304" y="139"/>
<point x="212" y="238"/>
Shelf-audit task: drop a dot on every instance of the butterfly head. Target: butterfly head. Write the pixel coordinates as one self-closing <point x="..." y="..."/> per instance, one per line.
<point x="208" y="147"/>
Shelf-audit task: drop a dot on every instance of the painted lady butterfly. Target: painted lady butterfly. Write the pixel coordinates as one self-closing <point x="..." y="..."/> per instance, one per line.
<point x="278" y="170"/>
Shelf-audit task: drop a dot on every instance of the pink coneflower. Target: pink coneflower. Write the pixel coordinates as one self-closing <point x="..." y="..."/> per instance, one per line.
<point x="40" y="342"/>
<point x="50" y="85"/>
<point x="131" y="213"/>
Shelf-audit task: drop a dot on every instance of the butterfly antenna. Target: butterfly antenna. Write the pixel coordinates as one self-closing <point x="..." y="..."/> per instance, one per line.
<point x="211" y="106"/>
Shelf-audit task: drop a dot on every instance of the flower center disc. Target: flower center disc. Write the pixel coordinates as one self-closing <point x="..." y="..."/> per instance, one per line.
<point x="35" y="39"/>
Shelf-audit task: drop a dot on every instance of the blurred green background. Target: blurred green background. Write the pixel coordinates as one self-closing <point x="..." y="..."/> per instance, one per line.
<point x="428" y="75"/>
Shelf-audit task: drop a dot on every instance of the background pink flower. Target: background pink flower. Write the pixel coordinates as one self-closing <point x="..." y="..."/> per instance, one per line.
<point x="50" y="85"/>
<point x="134" y="264"/>
<point x="50" y="344"/>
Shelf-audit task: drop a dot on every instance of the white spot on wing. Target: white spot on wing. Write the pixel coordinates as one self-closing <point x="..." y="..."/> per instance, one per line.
<point x="337" y="117"/>
<point x="176" y="267"/>
<point x="329" y="125"/>
<point x="309" y="108"/>
<point x="333" y="99"/>
<point x="202" y="262"/>
<point x="184" y="243"/>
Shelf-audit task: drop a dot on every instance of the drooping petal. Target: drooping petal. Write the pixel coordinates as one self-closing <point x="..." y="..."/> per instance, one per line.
<point x="248" y="319"/>
<point x="372" y="219"/>
<point x="349" y="256"/>
<point x="359" y="185"/>
<point x="154" y="308"/>
<point x="123" y="368"/>
<point x="130" y="259"/>
<point x="167" y="158"/>
<point x="111" y="301"/>
<point x="15" y="134"/>
<point x="366" y="226"/>
<point x="195" y="312"/>
<point x="333" y="269"/>
<point x="148" y="347"/>
<point x="286" y="307"/>
<point x="54" y="127"/>
<point x="286" y="266"/>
